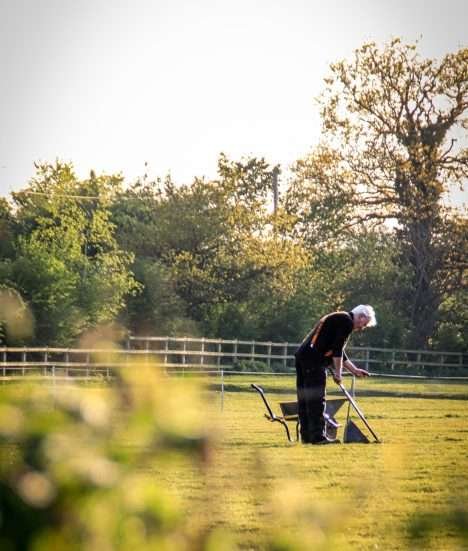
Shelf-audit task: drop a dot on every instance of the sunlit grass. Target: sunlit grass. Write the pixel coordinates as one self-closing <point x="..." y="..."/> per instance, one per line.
<point x="410" y="492"/>
<point x="351" y="496"/>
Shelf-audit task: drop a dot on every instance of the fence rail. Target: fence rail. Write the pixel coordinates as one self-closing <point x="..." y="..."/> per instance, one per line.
<point x="215" y="354"/>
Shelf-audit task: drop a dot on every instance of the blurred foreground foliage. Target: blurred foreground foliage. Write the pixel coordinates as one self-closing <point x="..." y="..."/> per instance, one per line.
<point x="73" y="467"/>
<point x="144" y="465"/>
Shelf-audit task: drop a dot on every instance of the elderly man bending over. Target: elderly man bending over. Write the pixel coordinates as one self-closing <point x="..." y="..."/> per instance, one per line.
<point x="324" y="347"/>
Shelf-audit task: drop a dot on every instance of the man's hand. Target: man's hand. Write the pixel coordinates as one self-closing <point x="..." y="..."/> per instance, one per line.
<point x="336" y="376"/>
<point x="360" y="372"/>
<point x="355" y="370"/>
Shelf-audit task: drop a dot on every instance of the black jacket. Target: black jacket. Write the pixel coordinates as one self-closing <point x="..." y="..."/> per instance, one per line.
<point x="327" y="339"/>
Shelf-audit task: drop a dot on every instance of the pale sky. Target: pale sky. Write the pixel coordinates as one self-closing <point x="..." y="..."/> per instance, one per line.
<point x="110" y="84"/>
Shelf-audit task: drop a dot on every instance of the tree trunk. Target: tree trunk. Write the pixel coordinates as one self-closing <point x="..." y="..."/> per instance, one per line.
<point x="423" y="298"/>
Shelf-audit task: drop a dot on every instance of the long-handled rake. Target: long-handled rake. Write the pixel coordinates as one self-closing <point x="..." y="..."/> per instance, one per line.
<point x="352" y="401"/>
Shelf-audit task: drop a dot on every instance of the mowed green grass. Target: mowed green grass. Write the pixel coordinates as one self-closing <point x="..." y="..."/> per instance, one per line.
<point x="409" y="492"/>
<point x="348" y="496"/>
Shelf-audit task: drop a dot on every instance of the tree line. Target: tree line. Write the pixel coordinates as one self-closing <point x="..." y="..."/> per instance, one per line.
<point x="361" y="219"/>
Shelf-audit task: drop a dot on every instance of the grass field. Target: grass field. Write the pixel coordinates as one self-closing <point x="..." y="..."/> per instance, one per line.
<point x="410" y="492"/>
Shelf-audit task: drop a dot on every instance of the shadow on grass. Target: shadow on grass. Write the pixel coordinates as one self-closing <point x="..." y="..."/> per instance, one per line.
<point x="267" y="445"/>
<point x="362" y="393"/>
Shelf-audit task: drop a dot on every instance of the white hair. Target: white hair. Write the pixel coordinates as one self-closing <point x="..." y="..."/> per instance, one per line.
<point x="368" y="311"/>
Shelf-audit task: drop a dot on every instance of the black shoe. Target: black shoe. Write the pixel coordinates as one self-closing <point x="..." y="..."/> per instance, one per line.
<point x="324" y="440"/>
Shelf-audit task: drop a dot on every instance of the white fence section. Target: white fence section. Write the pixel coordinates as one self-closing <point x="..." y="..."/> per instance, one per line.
<point x="213" y="355"/>
<point x="279" y="356"/>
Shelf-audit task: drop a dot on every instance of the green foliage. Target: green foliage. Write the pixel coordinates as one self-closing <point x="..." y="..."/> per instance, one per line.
<point x="16" y="322"/>
<point x="67" y="262"/>
<point x="213" y="253"/>
<point x="250" y="366"/>
<point x="361" y="220"/>
<point x="157" y="309"/>
<point x="7" y="229"/>
<point x="74" y="462"/>
<point x="366" y="272"/>
<point x="132" y="467"/>
<point x="452" y="329"/>
<point x="387" y="156"/>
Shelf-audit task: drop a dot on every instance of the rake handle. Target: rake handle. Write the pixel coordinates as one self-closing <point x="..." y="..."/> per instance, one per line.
<point x="357" y="410"/>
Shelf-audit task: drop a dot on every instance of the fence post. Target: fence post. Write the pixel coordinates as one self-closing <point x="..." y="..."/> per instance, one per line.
<point x="23" y="359"/>
<point x="222" y="389"/>
<point x="67" y="361"/>
<point x="285" y="356"/>
<point x="234" y="353"/>
<point x="4" y="363"/>
<point x="202" y="358"/>
<point x="367" y="359"/>
<point x="46" y="361"/>
<point x="269" y="356"/>
<point x="220" y="348"/>
<point x="166" y="349"/>
<point x="87" y="367"/>
<point x="252" y="351"/>
<point x="184" y="358"/>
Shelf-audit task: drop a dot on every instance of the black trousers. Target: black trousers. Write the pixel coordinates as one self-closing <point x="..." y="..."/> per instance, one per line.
<point x="311" y="381"/>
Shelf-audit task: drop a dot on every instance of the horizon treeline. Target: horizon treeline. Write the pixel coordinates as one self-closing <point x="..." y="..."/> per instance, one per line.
<point x="360" y="219"/>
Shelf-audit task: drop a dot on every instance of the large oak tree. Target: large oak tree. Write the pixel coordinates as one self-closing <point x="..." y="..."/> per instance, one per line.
<point x="394" y="144"/>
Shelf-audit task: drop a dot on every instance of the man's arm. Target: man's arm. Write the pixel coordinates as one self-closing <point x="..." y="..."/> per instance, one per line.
<point x="339" y="355"/>
<point x="337" y="369"/>
<point x="339" y="363"/>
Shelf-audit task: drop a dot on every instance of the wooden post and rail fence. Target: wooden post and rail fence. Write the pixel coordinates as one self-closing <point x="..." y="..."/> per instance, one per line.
<point x="197" y="355"/>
